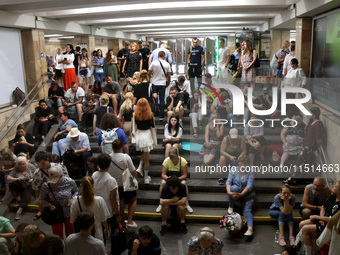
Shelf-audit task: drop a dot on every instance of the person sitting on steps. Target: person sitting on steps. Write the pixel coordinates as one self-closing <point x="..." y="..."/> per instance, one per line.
<point x="174" y="103"/>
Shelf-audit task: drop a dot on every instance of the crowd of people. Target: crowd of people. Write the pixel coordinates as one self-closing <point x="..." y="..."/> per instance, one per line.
<point x="122" y="113"/>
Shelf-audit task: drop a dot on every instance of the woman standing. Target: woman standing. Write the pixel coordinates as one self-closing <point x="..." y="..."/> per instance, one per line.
<point x="98" y="63"/>
<point x="240" y="186"/>
<point x="142" y="124"/>
<point x="125" y="114"/>
<point x="91" y="203"/>
<point x="110" y="65"/>
<point x="59" y="67"/>
<point x="23" y="142"/>
<point x="69" y="74"/>
<point x="63" y="190"/>
<point x="84" y="72"/>
<point x="20" y="180"/>
<point x="172" y="135"/>
<point x="248" y="59"/>
<point x="133" y="62"/>
<point x="120" y="162"/>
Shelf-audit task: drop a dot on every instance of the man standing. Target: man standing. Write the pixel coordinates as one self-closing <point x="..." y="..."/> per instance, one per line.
<point x="74" y="98"/>
<point x="77" y="149"/>
<point x="196" y="62"/>
<point x="83" y="242"/>
<point x="122" y="54"/>
<point x="154" y="55"/>
<point x="161" y="72"/>
<point x="222" y="66"/>
<point x="112" y="89"/>
<point x="145" y="51"/>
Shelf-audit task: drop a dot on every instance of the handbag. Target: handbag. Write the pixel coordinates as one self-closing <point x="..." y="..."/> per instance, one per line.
<point x="99" y="70"/>
<point x="76" y="224"/>
<point x="53" y="217"/>
<point x="61" y="136"/>
<point x="133" y="137"/>
<point x="129" y="182"/>
<point x="153" y="102"/>
<point x="83" y="71"/>
<point x="154" y="136"/>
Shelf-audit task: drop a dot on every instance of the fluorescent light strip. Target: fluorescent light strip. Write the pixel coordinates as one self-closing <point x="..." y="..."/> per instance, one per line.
<point x="180" y="17"/>
<point x="52" y="35"/>
<point x="136" y="30"/>
<point x="164" y="5"/>
<point x="196" y="32"/>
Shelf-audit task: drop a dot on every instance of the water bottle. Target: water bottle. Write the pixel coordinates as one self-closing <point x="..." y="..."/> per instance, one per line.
<point x="43" y="144"/>
<point x="277" y="234"/>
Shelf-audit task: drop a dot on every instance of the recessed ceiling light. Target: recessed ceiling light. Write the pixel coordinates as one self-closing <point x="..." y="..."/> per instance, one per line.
<point x="52" y="35"/>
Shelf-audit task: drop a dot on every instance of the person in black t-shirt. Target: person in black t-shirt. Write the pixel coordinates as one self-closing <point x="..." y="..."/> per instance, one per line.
<point x="44" y="119"/>
<point x="314" y="226"/>
<point x="144" y="243"/>
<point x="174" y="104"/>
<point x="264" y="102"/>
<point x="196" y="61"/>
<point x="173" y="196"/>
<point x="56" y="97"/>
<point x="122" y="54"/>
<point x="145" y="51"/>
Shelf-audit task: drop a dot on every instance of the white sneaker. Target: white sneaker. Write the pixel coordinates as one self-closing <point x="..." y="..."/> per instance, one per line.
<point x="249" y="233"/>
<point x="147" y="180"/>
<point x="189" y="209"/>
<point x="181" y="122"/>
<point x="140" y="171"/>
<point x="230" y="210"/>
<point x="159" y="209"/>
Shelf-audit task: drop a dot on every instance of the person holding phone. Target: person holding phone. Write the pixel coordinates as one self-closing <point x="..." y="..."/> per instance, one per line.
<point x="84" y="72"/>
<point x="69" y="74"/>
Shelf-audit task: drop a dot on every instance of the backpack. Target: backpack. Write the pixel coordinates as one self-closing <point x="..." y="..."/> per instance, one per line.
<point x="18" y="96"/>
<point x="108" y="137"/>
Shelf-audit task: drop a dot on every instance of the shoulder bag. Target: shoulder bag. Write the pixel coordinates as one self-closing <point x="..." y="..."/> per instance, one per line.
<point x="166" y="77"/>
<point x="76" y="224"/>
<point x="129" y="182"/>
<point x="53" y="217"/>
<point x="153" y="102"/>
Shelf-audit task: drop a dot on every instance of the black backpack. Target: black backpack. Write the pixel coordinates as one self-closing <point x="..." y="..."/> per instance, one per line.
<point x="18" y="96"/>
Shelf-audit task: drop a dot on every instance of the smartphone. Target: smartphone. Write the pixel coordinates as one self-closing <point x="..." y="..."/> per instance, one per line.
<point x="65" y="58"/>
<point x="70" y="150"/>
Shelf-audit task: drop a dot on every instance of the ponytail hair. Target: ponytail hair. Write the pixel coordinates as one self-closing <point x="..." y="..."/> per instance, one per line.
<point x="87" y="191"/>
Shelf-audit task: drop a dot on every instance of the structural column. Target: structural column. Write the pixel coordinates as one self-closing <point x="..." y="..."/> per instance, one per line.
<point x="277" y="38"/>
<point x="303" y="45"/>
<point x="33" y="43"/>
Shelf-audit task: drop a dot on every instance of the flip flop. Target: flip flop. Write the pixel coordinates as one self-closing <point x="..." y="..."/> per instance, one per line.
<point x="195" y="135"/>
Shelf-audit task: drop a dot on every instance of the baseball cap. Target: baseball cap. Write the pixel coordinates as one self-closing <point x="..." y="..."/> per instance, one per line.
<point x="140" y="41"/>
<point x="233" y="133"/>
<point x="54" y="174"/>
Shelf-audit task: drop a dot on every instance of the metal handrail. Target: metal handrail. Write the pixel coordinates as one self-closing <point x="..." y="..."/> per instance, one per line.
<point x="3" y="134"/>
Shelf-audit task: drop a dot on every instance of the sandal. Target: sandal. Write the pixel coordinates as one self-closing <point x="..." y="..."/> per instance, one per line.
<point x="282" y="241"/>
<point x="37" y="217"/>
<point x="200" y="127"/>
<point x="292" y="240"/>
<point x="195" y="135"/>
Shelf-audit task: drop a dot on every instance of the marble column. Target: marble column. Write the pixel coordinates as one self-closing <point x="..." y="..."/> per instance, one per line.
<point x="277" y="38"/>
<point x="33" y="43"/>
<point x="303" y="44"/>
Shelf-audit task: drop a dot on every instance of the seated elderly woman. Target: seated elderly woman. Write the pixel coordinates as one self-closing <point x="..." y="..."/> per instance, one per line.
<point x="205" y="243"/>
<point x="240" y="188"/>
<point x="20" y="180"/>
<point x="175" y="165"/>
<point x="292" y="139"/>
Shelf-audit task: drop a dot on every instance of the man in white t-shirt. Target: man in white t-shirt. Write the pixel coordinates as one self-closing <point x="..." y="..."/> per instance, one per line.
<point x="83" y="242"/>
<point x="106" y="186"/>
<point x="160" y="78"/>
<point x="223" y="74"/>
<point x="74" y="97"/>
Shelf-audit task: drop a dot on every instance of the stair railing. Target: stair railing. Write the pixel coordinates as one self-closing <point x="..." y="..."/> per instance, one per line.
<point x="23" y="109"/>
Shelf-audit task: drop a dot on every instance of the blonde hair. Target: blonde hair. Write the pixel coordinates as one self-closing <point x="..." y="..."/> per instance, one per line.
<point x="136" y="75"/>
<point x="173" y="152"/>
<point x="87" y="191"/>
<point x="207" y="233"/>
<point x="104" y="99"/>
<point x="128" y="104"/>
<point x="144" y="75"/>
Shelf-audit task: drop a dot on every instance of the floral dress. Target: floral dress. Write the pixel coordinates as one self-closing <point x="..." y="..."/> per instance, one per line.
<point x="195" y="246"/>
<point x="133" y="64"/>
<point x="212" y="138"/>
<point x="250" y="74"/>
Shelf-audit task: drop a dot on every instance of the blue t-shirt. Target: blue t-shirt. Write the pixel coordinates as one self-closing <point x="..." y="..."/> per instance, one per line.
<point x="196" y="56"/>
<point x="120" y="133"/>
<point x="68" y="123"/>
<point x="278" y="202"/>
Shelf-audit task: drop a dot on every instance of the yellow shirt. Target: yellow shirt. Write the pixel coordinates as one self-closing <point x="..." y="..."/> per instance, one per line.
<point x="167" y="163"/>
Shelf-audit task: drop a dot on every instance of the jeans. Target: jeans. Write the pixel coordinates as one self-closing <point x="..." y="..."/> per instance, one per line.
<point x="6" y="244"/>
<point x="98" y="76"/>
<point x="195" y="71"/>
<point x="231" y="117"/>
<point x="277" y="214"/>
<point x="52" y="102"/>
<point x="246" y="203"/>
<point x="59" y="147"/>
<point x="160" y="90"/>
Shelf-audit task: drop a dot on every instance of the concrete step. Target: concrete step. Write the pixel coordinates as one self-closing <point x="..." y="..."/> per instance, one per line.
<point x="210" y="199"/>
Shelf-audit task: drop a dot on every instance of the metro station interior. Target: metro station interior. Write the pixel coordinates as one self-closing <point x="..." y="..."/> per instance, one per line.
<point x="32" y="30"/>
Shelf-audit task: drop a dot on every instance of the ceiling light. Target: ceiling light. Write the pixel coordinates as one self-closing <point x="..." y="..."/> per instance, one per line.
<point x="52" y="35"/>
